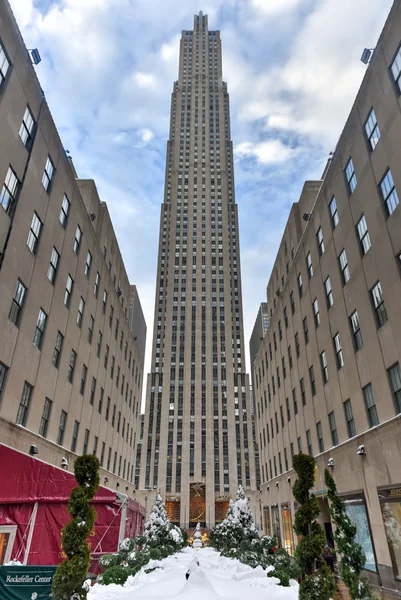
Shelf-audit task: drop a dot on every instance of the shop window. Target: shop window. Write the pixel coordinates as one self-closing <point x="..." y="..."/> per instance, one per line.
<point x="7" y="538"/>
<point x="288" y="538"/>
<point x="390" y="501"/>
<point x="266" y="520"/>
<point x="356" y="510"/>
<point x="275" y="514"/>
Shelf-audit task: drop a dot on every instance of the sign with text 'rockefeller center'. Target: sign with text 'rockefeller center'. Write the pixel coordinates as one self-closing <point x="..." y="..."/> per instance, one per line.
<point x="26" y="583"/>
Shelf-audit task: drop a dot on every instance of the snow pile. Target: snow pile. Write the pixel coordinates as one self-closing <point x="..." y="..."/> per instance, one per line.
<point x="216" y="577"/>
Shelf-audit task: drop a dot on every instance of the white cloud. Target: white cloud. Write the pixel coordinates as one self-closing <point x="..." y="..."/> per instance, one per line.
<point x="169" y="52"/>
<point x="145" y="80"/>
<point x="267" y="152"/>
<point x="272" y="7"/>
<point x="147" y="135"/>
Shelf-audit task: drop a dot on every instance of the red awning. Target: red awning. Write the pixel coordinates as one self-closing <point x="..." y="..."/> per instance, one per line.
<point x="28" y="479"/>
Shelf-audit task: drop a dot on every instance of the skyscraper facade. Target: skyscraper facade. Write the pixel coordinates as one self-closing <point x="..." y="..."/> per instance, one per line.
<point x="197" y="437"/>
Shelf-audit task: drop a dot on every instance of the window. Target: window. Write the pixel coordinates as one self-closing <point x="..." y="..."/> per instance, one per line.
<point x="99" y="343"/>
<point x="325" y="370"/>
<point x="34" y="233"/>
<point x="297" y="344"/>
<point x="9" y="191"/>
<point x="100" y="401"/>
<point x="363" y="235"/>
<point x="349" y="417"/>
<point x="333" y="428"/>
<point x="48" y="174"/>
<point x="370" y="405"/>
<point x="57" y="349"/>
<point x="65" y="209"/>
<point x="27" y="125"/>
<point x="40" y="329"/>
<point x="309" y="442"/>
<point x="395" y="380"/>
<point x="350" y="175"/>
<point x="356" y="331"/>
<point x="4" y="65"/>
<point x="334" y="212"/>
<point x="299" y="444"/>
<point x="93" y="390"/>
<point x="290" y="356"/>
<point x="22" y="414"/>
<point x="61" y="427"/>
<point x="88" y="264"/>
<point x="395" y="68"/>
<point x="309" y="265"/>
<point x="106" y="356"/>
<point x="3" y="375"/>
<point x="17" y="303"/>
<point x="389" y="193"/>
<point x="80" y="314"/>
<point x="68" y="291"/>
<point x="312" y="380"/>
<point x="53" y="265"/>
<point x="316" y="313"/>
<point x="303" y="394"/>
<point x="320" y="241"/>
<point x="292" y="302"/>
<point x="338" y="350"/>
<point x="294" y="400"/>
<point x="71" y="366"/>
<point x="83" y="379"/>
<point x="319" y="432"/>
<point x="372" y="130"/>
<point x="44" y="422"/>
<point x="300" y="287"/>
<point x="111" y="316"/>
<point x="344" y="267"/>
<point x="97" y="284"/>
<point x="378" y="302"/>
<point x="306" y="330"/>
<point x="329" y="293"/>
<point x="90" y="328"/>
<point x="106" y="416"/>
<point x="77" y="240"/>
<point x="104" y="302"/>
<point x="74" y="436"/>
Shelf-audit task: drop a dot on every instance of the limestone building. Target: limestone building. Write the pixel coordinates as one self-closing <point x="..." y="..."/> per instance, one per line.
<point x="197" y="442"/>
<point x="327" y="374"/>
<point x="70" y="369"/>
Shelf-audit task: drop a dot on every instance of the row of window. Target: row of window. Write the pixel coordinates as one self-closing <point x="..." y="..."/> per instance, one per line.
<point x="371" y="413"/>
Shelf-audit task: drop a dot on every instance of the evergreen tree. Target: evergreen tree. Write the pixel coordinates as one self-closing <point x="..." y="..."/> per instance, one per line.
<point x="70" y="575"/>
<point x="158" y="529"/>
<point x="238" y="528"/>
<point x="352" y="555"/>
<point x="317" y="580"/>
<point x="197" y="542"/>
<point x="241" y="513"/>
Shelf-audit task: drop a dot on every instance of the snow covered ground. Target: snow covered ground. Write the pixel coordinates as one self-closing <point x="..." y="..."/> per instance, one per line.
<point x="216" y="577"/>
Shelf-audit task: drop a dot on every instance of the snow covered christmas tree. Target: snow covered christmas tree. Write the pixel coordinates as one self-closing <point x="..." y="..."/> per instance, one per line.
<point x="158" y="529"/>
<point x="197" y="543"/>
<point x="237" y="528"/>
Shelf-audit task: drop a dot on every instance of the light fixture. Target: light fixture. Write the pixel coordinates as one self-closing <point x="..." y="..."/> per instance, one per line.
<point x="33" y="450"/>
<point x="276" y="483"/>
<point x="330" y="462"/>
<point x="361" y="450"/>
<point x="288" y="479"/>
<point x="126" y="489"/>
<point x="92" y="216"/>
<point x="306" y="216"/>
<point x="366" y="55"/>
<point x="35" y="56"/>
<point x="268" y="488"/>
<point x="117" y="484"/>
<point x="64" y="463"/>
<point x="105" y="480"/>
<point x="278" y="293"/>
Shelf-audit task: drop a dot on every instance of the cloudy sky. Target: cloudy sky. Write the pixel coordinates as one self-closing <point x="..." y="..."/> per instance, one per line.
<point x="292" y="68"/>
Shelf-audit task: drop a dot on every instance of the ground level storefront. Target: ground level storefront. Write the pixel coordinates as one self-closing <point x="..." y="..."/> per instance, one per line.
<point x="369" y="483"/>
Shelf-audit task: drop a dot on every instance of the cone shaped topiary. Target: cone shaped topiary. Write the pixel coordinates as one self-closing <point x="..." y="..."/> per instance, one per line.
<point x="317" y="580"/>
<point x="71" y="574"/>
<point x="352" y="555"/>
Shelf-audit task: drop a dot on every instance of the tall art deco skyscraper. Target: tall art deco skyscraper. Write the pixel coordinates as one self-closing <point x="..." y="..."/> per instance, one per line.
<point x="197" y="435"/>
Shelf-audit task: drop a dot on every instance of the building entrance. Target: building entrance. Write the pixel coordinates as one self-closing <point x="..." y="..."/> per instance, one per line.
<point x="197" y="504"/>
